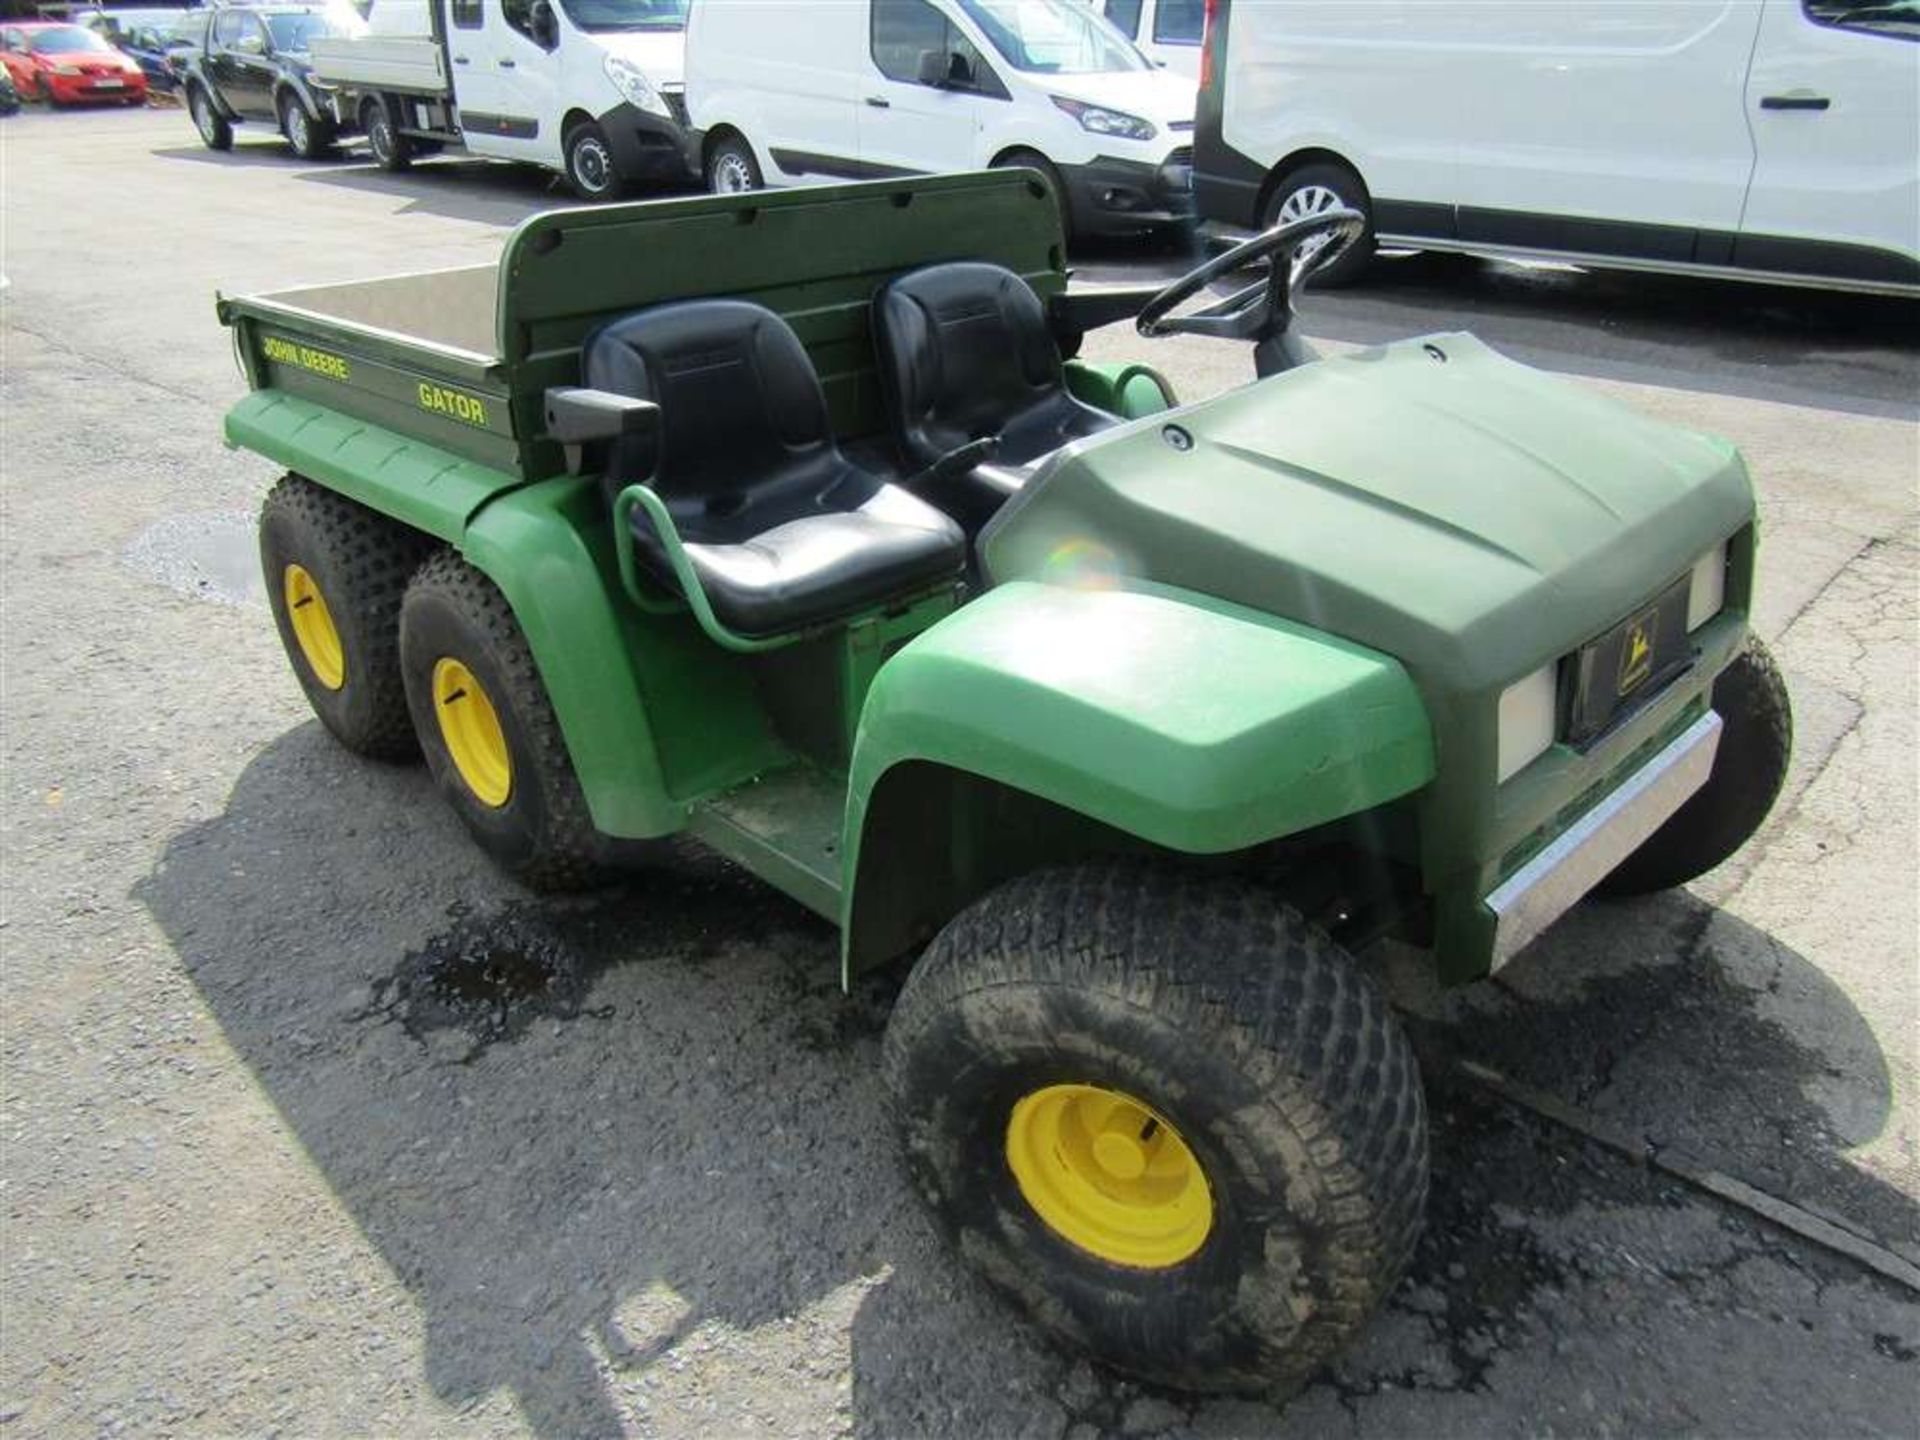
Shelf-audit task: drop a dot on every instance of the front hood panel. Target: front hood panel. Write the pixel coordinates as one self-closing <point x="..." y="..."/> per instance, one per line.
<point x="1431" y="499"/>
<point x="660" y="54"/>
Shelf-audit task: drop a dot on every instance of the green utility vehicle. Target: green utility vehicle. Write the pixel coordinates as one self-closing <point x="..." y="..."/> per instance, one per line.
<point x="779" y="519"/>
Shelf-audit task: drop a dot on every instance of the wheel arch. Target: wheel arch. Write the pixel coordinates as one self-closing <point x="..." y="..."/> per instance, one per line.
<point x="1300" y="159"/>
<point x="572" y="121"/>
<point x="713" y="135"/>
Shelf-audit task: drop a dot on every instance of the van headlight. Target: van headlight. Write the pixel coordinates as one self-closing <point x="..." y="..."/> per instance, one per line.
<point x="1528" y="711"/>
<point x="1099" y="120"/>
<point x="631" y="81"/>
<point x="1707" y="588"/>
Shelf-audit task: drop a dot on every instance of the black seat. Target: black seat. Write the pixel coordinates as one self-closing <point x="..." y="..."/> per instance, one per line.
<point x="782" y="531"/>
<point x="964" y="352"/>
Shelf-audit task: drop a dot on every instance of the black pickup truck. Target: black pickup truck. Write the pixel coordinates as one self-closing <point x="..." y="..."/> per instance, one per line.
<point x="255" y="67"/>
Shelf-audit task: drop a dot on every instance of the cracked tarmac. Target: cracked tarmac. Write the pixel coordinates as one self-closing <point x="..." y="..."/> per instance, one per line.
<point x="316" y="1126"/>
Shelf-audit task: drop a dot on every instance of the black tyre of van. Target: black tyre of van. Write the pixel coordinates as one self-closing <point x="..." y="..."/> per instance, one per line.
<point x="731" y="167"/>
<point x="1313" y="190"/>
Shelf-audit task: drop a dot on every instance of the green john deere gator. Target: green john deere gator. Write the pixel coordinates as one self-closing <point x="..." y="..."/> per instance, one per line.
<point x="789" y="521"/>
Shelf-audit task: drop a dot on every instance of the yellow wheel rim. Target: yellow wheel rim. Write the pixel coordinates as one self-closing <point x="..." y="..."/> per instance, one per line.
<point x="1110" y="1175"/>
<point x="313" y="627"/>
<point x="470" y="726"/>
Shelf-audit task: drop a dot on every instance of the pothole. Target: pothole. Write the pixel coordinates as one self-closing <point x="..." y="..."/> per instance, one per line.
<point x="208" y="556"/>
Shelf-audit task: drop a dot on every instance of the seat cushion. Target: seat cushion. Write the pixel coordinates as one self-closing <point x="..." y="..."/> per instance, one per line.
<point x="783" y="532"/>
<point x="808" y="564"/>
<point x="964" y="352"/>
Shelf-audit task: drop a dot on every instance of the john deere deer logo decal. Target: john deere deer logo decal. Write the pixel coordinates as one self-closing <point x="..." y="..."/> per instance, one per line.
<point x="1636" y="654"/>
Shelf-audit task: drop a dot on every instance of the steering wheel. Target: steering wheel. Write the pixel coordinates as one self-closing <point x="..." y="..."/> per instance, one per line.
<point x="1262" y="311"/>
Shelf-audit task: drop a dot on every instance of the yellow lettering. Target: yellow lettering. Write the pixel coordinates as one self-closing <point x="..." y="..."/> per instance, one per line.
<point x="285" y="352"/>
<point x="461" y="406"/>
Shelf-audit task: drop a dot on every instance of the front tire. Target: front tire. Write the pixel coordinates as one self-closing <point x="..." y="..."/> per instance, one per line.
<point x="590" y="168"/>
<point x="489" y="732"/>
<point x="216" y="131"/>
<point x="1314" y="190"/>
<point x="335" y="574"/>
<point x="1167" y="1117"/>
<point x="731" y="168"/>
<point x="1749" y="768"/>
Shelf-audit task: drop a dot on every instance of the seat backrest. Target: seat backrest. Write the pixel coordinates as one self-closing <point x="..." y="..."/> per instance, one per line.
<point x="739" y="400"/>
<point x="962" y="348"/>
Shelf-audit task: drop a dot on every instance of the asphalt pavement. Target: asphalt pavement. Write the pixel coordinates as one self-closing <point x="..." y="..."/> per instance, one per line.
<point x="315" y="1125"/>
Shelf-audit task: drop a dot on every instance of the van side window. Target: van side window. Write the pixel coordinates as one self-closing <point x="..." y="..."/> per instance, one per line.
<point x="518" y="14"/>
<point x="466" y="14"/>
<point x="904" y="30"/>
<point x="1125" y="15"/>
<point x="1179" y="22"/>
<point x="1877" y="17"/>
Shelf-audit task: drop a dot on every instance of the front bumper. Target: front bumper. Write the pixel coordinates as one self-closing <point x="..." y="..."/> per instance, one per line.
<point x="1108" y="196"/>
<point x="645" y="146"/>
<point x="72" y="89"/>
<point x="1587" y="851"/>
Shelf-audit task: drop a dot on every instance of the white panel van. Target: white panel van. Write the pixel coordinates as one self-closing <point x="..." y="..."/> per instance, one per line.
<point x="1764" y="139"/>
<point x="1167" y="32"/>
<point x="788" y="93"/>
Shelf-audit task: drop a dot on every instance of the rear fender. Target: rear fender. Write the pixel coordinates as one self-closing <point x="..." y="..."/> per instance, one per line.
<point x="1043" y="720"/>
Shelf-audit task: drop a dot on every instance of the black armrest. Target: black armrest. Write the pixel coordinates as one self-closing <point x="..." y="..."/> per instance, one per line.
<point x="578" y="417"/>
<point x="1072" y="313"/>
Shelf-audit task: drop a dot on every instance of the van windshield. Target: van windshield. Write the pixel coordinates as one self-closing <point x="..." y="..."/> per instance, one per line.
<point x="1053" y="37"/>
<point x="599" y="16"/>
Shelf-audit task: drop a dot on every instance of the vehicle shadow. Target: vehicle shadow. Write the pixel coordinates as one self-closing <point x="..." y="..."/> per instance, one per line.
<point x="580" y="1131"/>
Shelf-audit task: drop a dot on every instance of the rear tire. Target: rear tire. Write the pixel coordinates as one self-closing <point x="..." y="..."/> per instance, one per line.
<point x="489" y="732"/>
<point x="392" y="151"/>
<point x="731" y="168"/>
<point x="335" y="574"/>
<point x="309" y="138"/>
<point x="1034" y="160"/>
<point x="216" y="131"/>
<point x="1313" y="190"/>
<point x="590" y="169"/>
<point x="1231" y="1040"/>
<point x="1748" y="770"/>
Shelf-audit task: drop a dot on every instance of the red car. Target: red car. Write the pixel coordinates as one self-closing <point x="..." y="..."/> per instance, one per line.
<point x="63" y="63"/>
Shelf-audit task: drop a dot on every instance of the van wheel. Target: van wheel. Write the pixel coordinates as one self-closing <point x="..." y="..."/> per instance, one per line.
<point x="590" y="168"/>
<point x="311" y="139"/>
<point x="1314" y="190"/>
<point x="1166" y="1116"/>
<point x="392" y="151"/>
<point x="731" y="168"/>
<point x="489" y="732"/>
<point x="1034" y="160"/>
<point x="216" y="131"/>
<point x="335" y="573"/>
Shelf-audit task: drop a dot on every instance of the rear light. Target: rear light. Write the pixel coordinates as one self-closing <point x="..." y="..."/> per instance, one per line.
<point x="1206" y="43"/>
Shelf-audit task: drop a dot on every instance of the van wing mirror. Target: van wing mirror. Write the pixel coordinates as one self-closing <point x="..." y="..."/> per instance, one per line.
<point x="578" y="417"/>
<point x="544" y="27"/>
<point x="945" y="70"/>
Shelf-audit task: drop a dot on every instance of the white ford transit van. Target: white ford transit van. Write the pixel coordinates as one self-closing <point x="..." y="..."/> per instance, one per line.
<point x="1765" y="139"/>
<point x="788" y="92"/>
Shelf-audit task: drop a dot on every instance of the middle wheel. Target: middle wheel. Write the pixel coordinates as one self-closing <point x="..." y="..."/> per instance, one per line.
<point x="489" y="732"/>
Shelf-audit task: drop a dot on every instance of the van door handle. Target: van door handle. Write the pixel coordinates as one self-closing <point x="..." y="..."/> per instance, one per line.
<point x="1795" y="100"/>
<point x="460" y="60"/>
<point x="877" y="103"/>
<point x="506" y="64"/>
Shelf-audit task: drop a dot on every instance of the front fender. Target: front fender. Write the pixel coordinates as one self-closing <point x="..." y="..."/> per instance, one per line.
<point x="1185" y="721"/>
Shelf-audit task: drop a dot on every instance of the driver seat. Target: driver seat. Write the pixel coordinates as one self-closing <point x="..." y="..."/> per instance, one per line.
<point x="782" y="531"/>
<point x="965" y="352"/>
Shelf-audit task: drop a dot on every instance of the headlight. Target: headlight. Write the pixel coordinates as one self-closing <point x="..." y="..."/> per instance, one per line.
<point x="1707" y="590"/>
<point x="1106" y="122"/>
<point x="1528" y="709"/>
<point x="631" y="81"/>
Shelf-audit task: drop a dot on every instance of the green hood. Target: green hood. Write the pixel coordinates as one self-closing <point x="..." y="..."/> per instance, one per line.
<point x="1467" y="515"/>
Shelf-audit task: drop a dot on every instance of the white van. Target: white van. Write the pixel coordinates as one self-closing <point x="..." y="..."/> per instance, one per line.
<point x="1167" y="32"/>
<point x="787" y="92"/>
<point x="1763" y="139"/>
<point x="590" y="88"/>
